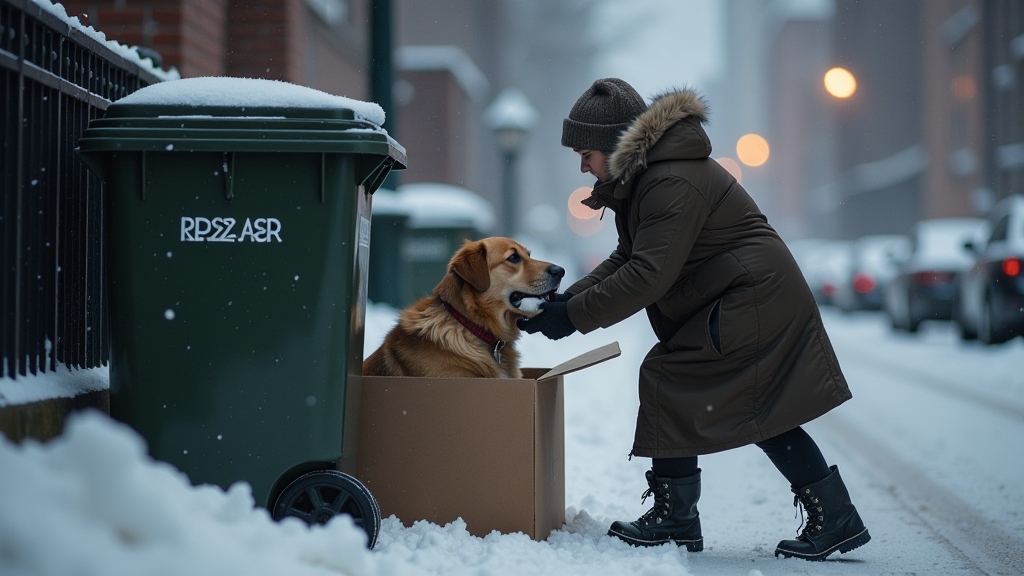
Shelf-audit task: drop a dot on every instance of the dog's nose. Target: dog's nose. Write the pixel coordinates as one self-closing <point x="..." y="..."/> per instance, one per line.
<point x="556" y="272"/>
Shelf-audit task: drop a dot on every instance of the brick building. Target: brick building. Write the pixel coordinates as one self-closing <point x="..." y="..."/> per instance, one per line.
<point x="935" y="128"/>
<point x="324" y="44"/>
<point x="317" y="43"/>
<point x="1002" y="79"/>
<point x="801" y="124"/>
<point x="952" y="85"/>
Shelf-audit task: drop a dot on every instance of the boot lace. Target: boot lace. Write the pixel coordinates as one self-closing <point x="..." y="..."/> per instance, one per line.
<point x="815" y="519"/>
<point x="661" y="506"/>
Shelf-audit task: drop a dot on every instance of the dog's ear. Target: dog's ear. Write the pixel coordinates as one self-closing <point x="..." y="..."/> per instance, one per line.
<point x="470" y="264"/>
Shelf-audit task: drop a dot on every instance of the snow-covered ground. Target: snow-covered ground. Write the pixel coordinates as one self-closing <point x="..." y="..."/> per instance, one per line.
<point x="929" y="448"/>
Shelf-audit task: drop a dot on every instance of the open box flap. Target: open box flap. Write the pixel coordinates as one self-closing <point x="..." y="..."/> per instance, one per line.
<point x="585" y="360"/>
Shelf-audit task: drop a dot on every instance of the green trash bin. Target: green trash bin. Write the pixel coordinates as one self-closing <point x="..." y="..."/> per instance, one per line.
<point x="238" y="241"/>
<point x="387" y="282"/>
<point x="441" y="216"/>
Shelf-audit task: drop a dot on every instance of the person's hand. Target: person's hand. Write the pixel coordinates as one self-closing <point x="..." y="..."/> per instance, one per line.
<point x="553" y="321"/>
<point x="563" y="297"/>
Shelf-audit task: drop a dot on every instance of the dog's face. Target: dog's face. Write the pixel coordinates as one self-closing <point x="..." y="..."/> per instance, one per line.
<point x="495" y="275"/>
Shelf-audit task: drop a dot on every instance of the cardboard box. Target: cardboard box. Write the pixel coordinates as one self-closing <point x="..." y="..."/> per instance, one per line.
<point x="491" y="451"/>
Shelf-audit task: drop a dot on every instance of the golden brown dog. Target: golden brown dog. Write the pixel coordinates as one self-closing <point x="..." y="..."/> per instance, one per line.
<point x="468" y="327"/>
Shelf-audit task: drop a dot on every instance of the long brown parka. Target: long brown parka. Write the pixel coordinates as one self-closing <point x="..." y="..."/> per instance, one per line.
<point x="742" y="354"/>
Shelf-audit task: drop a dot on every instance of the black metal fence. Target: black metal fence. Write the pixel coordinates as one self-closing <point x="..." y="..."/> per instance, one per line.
<point x="54" y="79"/>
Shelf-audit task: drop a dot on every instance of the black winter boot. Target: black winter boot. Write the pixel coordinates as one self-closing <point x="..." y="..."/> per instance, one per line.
<point x="674" y="517"/>
<point x="832" y="522"/>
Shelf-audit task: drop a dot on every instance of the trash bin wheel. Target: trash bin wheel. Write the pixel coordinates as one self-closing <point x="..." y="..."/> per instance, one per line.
<point x="317" y="497"/>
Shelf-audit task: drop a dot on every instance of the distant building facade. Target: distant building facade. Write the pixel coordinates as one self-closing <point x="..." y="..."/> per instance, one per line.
<point x="1002" y="83"/>
<point x="935" y="128"/>
<point x="953" y="87"/>
<point x="802" y="120"/>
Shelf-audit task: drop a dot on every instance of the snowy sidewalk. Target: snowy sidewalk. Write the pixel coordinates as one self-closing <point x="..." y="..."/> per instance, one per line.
<point x="92" y="503"/>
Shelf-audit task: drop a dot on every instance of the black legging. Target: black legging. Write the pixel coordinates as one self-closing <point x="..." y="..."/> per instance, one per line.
<point x="794" y="453"/>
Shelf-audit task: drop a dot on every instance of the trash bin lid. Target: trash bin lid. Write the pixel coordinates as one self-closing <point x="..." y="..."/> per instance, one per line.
<point x="437" y="205"/>
<point x="240" y="114"/>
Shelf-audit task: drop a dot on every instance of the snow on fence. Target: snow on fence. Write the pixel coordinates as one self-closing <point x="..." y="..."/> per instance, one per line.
<point x="55" y="76"/>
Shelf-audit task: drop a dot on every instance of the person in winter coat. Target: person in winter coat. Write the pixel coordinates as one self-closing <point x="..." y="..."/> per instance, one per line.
<point x="742" y="356"/>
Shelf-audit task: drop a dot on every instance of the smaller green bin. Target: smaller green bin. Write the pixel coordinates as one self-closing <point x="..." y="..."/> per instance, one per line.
<point x="238" y="246"/>
<point x="441" y="217"/>
<point x="387" y="282"/>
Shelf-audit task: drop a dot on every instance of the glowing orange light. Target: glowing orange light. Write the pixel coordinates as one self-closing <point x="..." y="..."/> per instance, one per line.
<point x="964" y="87"/>
<point x="733" y="167"/>
<point x="577" y="209"/>
<point x="587" y="227"/>
<point x="752" y="150"/>
<point x="840" y="83"/>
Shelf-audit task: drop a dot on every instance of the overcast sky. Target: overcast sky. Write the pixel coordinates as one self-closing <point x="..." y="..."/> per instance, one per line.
<point x="658" y="44"/>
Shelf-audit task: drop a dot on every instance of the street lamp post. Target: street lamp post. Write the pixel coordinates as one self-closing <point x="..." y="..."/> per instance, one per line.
<point x="510" y="116"/>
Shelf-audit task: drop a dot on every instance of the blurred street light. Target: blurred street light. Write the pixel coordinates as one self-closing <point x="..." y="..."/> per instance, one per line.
<point x="731" y="166"/>
<point x="840" y="83"/>
<point x="752" y="150"/>
<point x="576" y="207"/>
<point x="511" y="116"/>
<point x="581" y="219"/>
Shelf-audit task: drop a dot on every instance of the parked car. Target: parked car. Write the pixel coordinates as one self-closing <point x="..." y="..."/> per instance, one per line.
<point x="924" y="286"/>
<point x="823" y="263"/>
<point x="873" y="265"/>
<point x="990" y="294"/>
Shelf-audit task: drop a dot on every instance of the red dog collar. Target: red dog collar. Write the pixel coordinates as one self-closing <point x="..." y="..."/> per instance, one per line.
<point x="477" y="331"/>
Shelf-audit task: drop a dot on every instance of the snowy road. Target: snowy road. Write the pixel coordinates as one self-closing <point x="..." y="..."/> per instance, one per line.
<point x="937" y="424"/>
<point x="930" y="447"/>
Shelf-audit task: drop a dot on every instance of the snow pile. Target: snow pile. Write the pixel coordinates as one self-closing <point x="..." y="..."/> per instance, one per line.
<point x="92" y="502"/>
<point x="60" y="383"/>
<point x="248" y="93"/>
<point x="129" y="53"/>
<point x="581" y="548"/>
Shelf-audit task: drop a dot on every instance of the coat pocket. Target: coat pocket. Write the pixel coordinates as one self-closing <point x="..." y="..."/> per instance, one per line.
<point x="715" y="327"/>
<point x="695" y="336"/>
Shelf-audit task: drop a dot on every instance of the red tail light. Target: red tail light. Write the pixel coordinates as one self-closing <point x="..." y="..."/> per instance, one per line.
<point x="828" y="289"/>
<point x="932" y="278"/>
<point x="1011" y="266"/>
<point x="863" y="283"/>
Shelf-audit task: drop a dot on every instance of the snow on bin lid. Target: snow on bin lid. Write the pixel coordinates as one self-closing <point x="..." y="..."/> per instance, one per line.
<point x="435" y="205"/>
<point x="252" y="93"/>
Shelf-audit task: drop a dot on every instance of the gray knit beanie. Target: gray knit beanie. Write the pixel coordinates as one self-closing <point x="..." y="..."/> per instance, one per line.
<point x="599" y="117"/>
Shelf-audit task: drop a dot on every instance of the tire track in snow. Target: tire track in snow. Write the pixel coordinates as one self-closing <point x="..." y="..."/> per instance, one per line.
<point x="976" y="540"/>
<point x="931" y="382"/>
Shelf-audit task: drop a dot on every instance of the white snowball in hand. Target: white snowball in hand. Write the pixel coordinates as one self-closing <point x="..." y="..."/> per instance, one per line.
<point x="530" y="305"/>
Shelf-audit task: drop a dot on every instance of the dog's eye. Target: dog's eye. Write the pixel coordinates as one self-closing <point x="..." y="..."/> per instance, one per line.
<point x="514" y="258"/>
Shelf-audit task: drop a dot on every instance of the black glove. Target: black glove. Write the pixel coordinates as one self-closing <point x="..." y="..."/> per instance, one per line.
<point x="563" y="297"/>
<point x="552" y="322"/>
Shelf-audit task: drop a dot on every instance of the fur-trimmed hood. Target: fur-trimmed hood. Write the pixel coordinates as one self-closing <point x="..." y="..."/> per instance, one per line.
<point x="635" y="147"/>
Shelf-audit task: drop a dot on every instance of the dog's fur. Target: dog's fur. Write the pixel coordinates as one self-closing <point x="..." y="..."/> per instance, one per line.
<point x="485" y="287"/>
